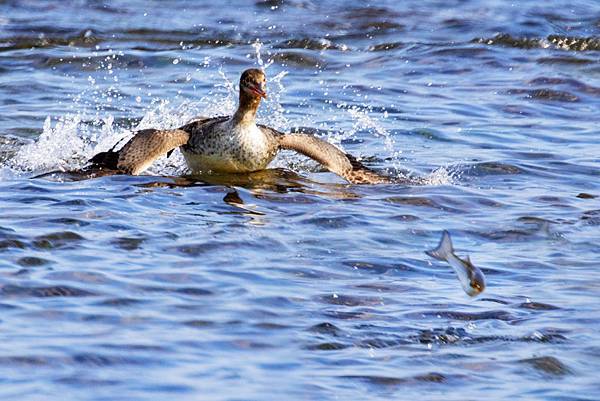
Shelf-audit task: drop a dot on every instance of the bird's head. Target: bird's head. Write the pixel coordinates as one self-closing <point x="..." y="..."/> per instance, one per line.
<point x="253" y="82"/>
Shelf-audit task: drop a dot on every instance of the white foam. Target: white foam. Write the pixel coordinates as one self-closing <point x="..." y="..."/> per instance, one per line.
<point x="58" y="147"/>
<point x="440" y="176"/>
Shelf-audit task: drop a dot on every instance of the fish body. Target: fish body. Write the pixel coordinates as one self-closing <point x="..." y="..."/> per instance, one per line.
<point x="471" y="278"/>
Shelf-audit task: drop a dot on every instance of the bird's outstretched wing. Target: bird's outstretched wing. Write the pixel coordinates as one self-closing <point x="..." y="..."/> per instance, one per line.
<point x="148" y="145"/>
<point x="141" y="150"/>
<point x="330" y="156"/>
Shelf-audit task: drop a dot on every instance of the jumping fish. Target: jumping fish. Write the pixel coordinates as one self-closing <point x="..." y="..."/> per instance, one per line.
<point x="471" y="278"/>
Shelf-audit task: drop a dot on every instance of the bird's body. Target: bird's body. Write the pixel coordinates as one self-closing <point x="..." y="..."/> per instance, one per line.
<point x="234" y="144"/>
<point x="221" y="145"/>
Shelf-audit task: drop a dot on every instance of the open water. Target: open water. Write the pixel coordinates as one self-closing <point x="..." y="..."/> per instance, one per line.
<point x="291" y="284"/>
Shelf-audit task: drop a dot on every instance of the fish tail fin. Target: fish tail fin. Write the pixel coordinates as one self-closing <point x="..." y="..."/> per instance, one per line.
<point x="444" y="248"/>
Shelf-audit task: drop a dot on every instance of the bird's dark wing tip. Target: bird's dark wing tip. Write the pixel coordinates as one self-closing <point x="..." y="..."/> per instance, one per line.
<point x="362" y="174"/>
<point x="106" y="160"/>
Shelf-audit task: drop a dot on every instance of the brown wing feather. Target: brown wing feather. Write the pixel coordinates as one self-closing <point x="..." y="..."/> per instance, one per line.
<point x="197" y="125"/>
<point x="331" y="157"/>
<point x="147" y="146"/>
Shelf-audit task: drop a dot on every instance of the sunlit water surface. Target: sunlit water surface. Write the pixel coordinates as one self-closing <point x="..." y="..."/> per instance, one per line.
<point x="289" y="283"/>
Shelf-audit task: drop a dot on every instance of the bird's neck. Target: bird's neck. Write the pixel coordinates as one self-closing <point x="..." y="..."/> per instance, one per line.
<point x="246" y="112"/>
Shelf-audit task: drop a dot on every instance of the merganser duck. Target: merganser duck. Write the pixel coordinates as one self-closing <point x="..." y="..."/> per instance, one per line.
<point x="234" y="144"/>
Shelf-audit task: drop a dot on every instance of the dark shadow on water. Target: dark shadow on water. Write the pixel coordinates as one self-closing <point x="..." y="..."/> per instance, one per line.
<point x="261" y="183"/>
<point x="75" y="175"/>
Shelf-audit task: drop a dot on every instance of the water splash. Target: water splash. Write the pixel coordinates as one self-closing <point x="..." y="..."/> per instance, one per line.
<point x="441" y="176"/>
<point x="57" y="148"/>
<point x="229" y="88"/>
<point x="274" y="112"/>
<point x="362" y="121"/>
<point x="257" y="45"/>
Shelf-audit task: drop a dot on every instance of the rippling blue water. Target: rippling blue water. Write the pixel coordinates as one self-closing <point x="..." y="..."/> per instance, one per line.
<point x="290" y="283"/>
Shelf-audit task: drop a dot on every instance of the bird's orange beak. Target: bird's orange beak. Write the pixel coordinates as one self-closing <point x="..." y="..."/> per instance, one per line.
<point x="259" y="90"/>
